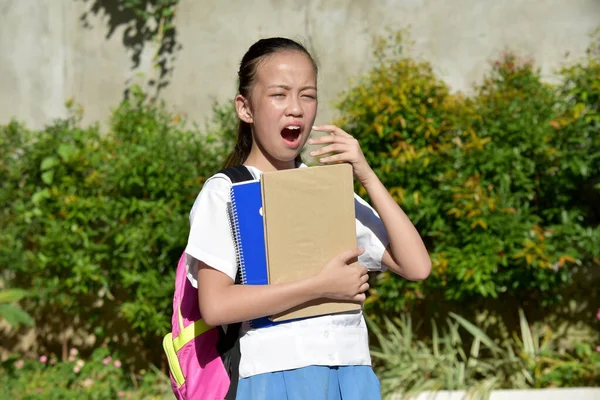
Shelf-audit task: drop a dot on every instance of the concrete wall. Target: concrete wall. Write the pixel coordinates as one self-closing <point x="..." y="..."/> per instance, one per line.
<point x="55" y="49"/>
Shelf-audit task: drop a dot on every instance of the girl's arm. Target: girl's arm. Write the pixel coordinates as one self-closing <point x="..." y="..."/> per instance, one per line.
<point x="221" y="302"/>
<point x="406" y="254"/>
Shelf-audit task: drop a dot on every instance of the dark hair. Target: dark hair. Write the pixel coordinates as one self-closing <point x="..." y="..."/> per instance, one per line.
<point x="246" y="74"/>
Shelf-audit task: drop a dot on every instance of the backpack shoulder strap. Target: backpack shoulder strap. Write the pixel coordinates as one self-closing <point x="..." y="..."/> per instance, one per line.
<point x="237" y="173"/>
<point x="229" y="345"/>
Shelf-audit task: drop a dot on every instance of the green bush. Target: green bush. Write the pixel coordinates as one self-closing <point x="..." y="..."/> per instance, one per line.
<point x="492" y="181"/>
<point x="101" y="376"/>
<point x="10" y="311"/>
<point x="460" y="356"/>
<point x="95" y="221"/>
<point x="578" y="129"/>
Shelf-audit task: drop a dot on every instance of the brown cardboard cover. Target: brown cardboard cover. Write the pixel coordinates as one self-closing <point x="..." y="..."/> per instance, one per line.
<point x="309" y="218"/>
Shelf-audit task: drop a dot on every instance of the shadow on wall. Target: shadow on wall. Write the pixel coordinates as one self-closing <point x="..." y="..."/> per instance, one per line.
<point x="145" y="22"/>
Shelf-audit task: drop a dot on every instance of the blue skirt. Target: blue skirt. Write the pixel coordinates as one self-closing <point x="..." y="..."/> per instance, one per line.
<point x="312" y="383"/>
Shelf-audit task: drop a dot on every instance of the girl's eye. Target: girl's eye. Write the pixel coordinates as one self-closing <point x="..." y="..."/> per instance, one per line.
<point x="277" y="95"/>
<point x="310" y="96"/>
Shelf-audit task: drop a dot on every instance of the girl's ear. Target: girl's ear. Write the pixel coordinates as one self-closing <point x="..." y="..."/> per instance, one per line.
<point x="242" y="106"/>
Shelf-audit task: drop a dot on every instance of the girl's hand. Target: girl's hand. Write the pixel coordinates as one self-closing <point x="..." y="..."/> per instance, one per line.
<point x="343" y="278"/>
<point x="346" y="149"/>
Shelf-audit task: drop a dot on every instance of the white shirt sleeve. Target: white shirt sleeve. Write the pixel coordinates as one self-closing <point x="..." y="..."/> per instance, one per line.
<point x="371" y="235"/>
<point x="210" y="239"/>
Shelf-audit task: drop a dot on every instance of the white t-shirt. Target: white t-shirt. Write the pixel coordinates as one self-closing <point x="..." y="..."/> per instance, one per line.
<point x="339" y="339"/>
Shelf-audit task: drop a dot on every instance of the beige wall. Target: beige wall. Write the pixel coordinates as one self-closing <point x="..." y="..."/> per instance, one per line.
<point x="49" y="54"/>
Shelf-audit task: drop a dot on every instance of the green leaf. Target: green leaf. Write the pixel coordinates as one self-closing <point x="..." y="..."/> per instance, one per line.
<point x="12" y="295"/>
<point x="15" y="316"/>
<point x="48" y="163"/>
<point x="48" y="176"/>
<point x="526" y="336"/>
<point x="65" y="151"/>
<point x="99" y="331"/>
<point x="475" y="331"/>
<point x="40" y="195"/>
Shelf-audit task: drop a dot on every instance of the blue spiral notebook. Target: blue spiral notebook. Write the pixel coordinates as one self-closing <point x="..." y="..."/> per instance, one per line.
<point x="249" y="236"/>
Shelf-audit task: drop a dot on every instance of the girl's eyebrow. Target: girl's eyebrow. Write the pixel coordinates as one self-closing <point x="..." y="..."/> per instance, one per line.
<point x="287" y="87"/>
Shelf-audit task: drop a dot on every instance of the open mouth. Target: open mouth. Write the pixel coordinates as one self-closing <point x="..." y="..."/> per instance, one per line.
<point x="291" y="135"/>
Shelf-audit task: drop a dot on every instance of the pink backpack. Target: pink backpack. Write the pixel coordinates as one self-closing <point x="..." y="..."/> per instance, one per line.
<point x="203" y="360"/>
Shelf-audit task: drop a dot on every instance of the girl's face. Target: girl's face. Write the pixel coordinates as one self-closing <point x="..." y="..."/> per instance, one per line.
<point x="282" y="108"/>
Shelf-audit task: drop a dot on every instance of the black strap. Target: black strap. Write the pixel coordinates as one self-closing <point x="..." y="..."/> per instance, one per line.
<point x="229" y="341"/>
<point x="238" y="173"/>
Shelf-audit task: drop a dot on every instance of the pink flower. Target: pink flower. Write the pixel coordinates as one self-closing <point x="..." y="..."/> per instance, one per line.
<point x="43" y="359"/>
<point x="53" y="361"/>
<point x="598" y="349"/>
<point x="87" y="383"/>
<point x="117" y="363"/>
<point x="71" y="358"/>
<point x="73" y="352"/>
<point x="598" y="314"/>
<point x="121" y="394"/>
<point x="19" y="364"/>
<point x="106" y="361"/>
<point x="77" y="369"/>
<point x="39" y="390"/>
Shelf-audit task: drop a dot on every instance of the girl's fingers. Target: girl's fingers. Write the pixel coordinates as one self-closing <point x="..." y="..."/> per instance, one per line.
<point x="336" y="147"/>
<point x="328" y="139"/>
<point x="334" y="130"/>
<point x="360" y="297"/>
<point x="334" y="158"/>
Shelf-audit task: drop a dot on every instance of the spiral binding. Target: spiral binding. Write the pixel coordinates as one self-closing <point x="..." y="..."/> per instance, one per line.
<point x="235" y="233"/>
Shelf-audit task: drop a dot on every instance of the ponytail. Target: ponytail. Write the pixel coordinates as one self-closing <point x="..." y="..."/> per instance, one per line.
<point x="242" y="148"/>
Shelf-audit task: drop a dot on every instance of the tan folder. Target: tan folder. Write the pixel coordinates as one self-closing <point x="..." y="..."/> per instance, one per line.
<point x="309" y="218"/>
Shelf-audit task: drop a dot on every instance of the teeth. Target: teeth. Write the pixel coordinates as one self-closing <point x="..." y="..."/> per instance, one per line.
<point x="293" y="127"/>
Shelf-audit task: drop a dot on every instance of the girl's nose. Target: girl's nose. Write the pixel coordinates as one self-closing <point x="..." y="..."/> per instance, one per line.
<point x="294" y="107"/>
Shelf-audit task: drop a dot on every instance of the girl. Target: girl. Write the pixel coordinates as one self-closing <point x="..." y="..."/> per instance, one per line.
<point x="318" y="358"/>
